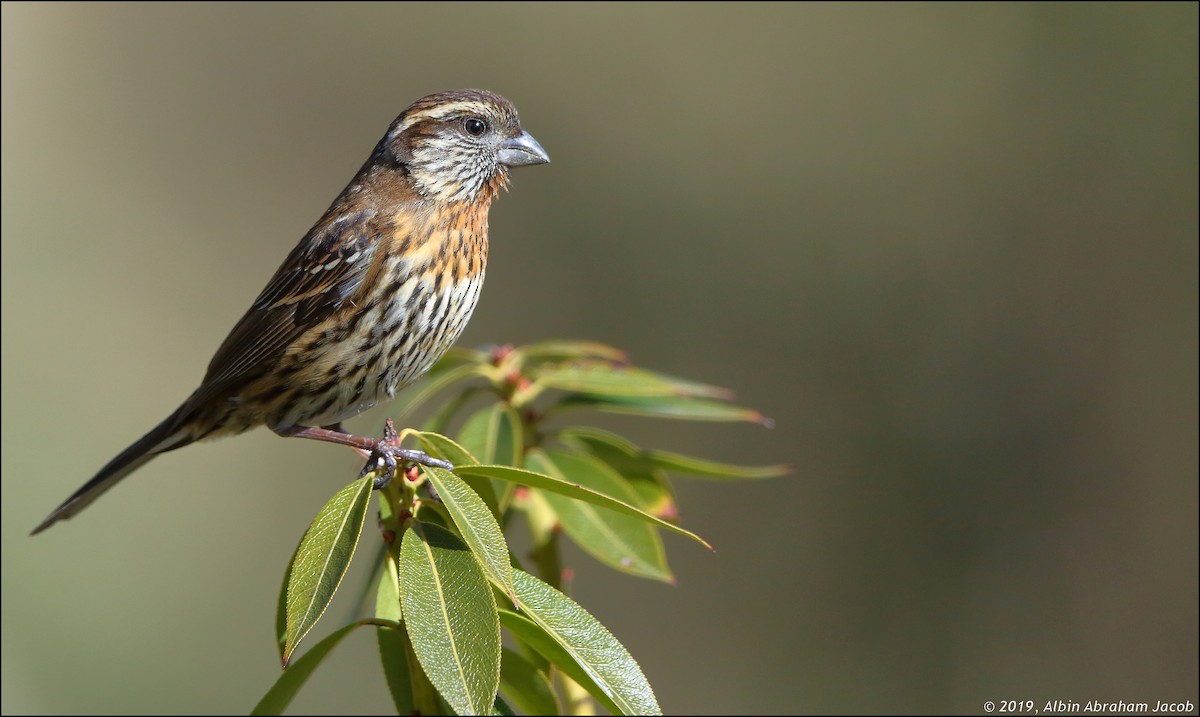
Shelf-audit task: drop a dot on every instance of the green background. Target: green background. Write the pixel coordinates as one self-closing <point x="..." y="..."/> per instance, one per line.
<point x="952" y="250"/>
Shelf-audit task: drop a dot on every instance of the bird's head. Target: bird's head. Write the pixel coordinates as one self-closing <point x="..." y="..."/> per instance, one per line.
<point x="457" y="146"/>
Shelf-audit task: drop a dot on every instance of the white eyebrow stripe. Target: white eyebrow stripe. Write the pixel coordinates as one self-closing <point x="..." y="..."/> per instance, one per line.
<point x="440" y="112"/>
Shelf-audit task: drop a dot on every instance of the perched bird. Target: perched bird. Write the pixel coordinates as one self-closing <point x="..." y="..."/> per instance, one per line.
<point x="373" y="295"/>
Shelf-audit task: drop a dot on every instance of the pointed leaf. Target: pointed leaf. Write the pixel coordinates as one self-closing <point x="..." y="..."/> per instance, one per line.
<point x="566" y="350"/>
<point x="322" y="559"/>
<point x="688" y="387"/>
<point x="410" y="688"/>
<point x="691" y="409"/>
<point x="535" y="658"/>
<point x="625" y="457"/>
<point x="649" y="482"/>
<point x="391" y="642"/>
<point x="451" y="618"/>
<point x="493" y="434"/>
<point x="442" y="447"/>
<point x="387" y="593"/>
<point x="281" y="607"/>
<point x="532" y="637"/>
<point x="604" y="379"/>
<point x="544" y="532"/>
<point x="711" y="469"/>
<point x="476" y="525"/>
<point x="502" y="708"/>
<point x="434" y="382"/>
<point x="395" y="668"/>
<point x="367" y="591"/>
<point x="621" y="541"/>
<point x="526" y="686"/>
<point x="293" y="678"/>
<point x="456" y="357"/>
<point x="573" y="490"/>
<point x="590" y="644"/>
<point x="440" y="420"/>
<point x="655" y="494"/>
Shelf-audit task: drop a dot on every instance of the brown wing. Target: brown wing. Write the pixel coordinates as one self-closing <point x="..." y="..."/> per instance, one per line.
<point x="320" y="274"/>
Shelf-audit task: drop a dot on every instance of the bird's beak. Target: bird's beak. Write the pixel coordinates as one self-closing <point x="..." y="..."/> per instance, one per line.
<point x="521" y="150"/>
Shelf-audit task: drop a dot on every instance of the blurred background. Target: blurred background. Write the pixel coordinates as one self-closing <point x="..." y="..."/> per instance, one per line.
<point x="952" y="250"/>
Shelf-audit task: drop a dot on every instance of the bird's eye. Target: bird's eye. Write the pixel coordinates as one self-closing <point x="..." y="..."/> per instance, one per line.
<point x="475" y="126"/>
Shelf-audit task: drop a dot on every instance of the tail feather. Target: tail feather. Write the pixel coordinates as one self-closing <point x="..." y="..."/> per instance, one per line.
<point x="166" y="436"/>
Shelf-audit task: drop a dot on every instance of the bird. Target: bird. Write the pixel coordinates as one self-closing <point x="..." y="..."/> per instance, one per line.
<point x="371" y="297"/>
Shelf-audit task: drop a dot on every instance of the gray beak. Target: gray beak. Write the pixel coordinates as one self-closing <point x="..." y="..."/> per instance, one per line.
<point x="521" y="150"/>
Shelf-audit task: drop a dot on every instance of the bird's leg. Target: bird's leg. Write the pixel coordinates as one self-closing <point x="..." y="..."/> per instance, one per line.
<point x="381" y="453"/>
<point x="337" y="428"/>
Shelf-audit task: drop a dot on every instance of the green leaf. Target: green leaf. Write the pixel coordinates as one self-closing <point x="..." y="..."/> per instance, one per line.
<point x="688" y="387"/>
<point x="620" y="541"/>
<point x="387" y="594"/>
<point x="500" y="707"/>
<point x="493" y="433"/>
<point x="369" y="588"/>
<point x="391" y="642"/>
<point x="573" y="490"/>
<point x="624" y="456"/>
<point x="322" y="558"/>
<point x="566" y="350"/>
<point x="409" y="686"/>
<point x="605" y="660"/>
<point x="293" y="678"/>
<point x="442" y="447"/>
<point x="530" y="635"/>
<point x="691" y="409"/>
<point x="456" y="357"/>
<point x="544" y="532"/>
<point x="433" y="382"/>
<point x="526" y="686"/>
<point x="476" y="524"/>
<point x="395" y="668"/>
<point x="649" y="482"/>
<point x="451" y="618"/>
<point x="440" y="420"/>
<point x="605" y="379"/>
<point x="712" y="469"/>
<point x="281" y="607"/>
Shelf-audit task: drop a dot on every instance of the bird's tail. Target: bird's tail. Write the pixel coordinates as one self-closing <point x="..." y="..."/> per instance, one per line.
<point x="166" y="436"/>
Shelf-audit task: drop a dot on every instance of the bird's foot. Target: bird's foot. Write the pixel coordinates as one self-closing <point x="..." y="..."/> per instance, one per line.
<point x="386" y="455"/>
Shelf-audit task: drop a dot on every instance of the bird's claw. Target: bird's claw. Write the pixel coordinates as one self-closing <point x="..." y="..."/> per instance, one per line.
<point x="387" y="456"/>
